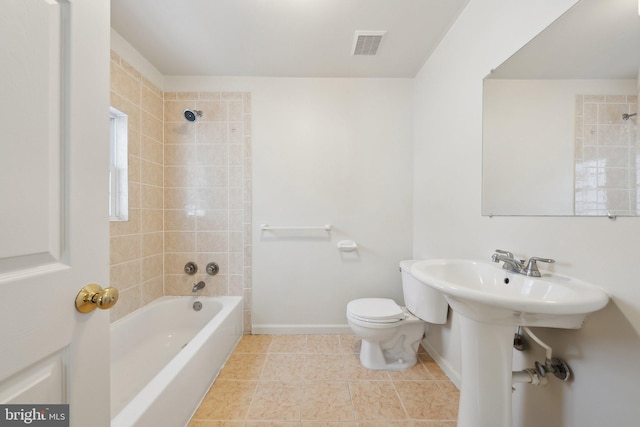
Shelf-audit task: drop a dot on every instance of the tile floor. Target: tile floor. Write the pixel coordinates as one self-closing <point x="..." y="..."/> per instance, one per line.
<point x="318" y="381"/>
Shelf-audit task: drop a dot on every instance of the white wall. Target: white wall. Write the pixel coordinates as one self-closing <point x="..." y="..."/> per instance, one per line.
<point x="605" y="353"/>
<point x="136" y="60"/>
<point x="325" y="151"/>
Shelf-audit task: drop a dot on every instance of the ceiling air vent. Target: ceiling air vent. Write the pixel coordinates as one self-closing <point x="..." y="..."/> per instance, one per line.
<point x="367" y="42"/>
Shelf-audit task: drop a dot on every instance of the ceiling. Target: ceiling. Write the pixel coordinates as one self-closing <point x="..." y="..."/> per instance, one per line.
<point x="595" y="39"/>
<point x="283" y="38"/>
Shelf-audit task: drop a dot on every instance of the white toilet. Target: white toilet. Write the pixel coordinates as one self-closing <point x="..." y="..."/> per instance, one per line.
<point x="391" y="334"/>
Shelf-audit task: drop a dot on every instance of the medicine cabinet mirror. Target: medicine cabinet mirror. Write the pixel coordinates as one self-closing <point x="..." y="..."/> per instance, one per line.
<point x="559" y="118"/>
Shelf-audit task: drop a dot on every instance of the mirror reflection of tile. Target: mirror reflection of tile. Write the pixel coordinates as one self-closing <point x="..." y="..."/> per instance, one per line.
<point x="607" y="155"/>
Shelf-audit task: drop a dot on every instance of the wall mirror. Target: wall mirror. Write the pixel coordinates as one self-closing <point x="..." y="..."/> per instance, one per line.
<point x="559" y="118"/>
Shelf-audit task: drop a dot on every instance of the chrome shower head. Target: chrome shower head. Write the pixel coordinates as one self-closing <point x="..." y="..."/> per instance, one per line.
<point x="192" y="115"/>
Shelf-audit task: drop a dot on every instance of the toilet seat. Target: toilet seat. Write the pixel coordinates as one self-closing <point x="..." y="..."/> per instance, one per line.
<point x="375" y="310"/>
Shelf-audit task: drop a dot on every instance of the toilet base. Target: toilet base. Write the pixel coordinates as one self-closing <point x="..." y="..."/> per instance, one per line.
<point x="396" y="354"/>
<point x="372" y="357"/>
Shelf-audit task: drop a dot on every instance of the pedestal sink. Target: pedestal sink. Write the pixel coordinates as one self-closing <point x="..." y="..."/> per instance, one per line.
<point x="491" y="302"/>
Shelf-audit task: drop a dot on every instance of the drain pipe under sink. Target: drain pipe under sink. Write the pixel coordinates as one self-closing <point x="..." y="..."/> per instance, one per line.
<point x="537" y="376"/>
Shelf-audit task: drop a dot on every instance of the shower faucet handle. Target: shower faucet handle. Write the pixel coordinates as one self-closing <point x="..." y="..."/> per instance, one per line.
<point x="191" y="268"/>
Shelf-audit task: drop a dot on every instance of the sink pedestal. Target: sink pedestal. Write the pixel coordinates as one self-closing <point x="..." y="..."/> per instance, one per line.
<point x="491" y="302"/>
<point x="487" y="359"/>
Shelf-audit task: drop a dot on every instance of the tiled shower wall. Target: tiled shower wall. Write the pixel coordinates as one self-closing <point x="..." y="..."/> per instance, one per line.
<point x="189" y="193"/>
<point x="606" y="156"/>
<point x="136" y="264"/>
<point x="207" y="188"/>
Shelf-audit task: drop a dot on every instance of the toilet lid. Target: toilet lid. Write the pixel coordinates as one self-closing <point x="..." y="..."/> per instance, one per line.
<point x="376" y="309"/>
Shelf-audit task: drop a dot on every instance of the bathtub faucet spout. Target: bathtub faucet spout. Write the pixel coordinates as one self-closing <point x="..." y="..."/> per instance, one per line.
<point x="198" y="286"/>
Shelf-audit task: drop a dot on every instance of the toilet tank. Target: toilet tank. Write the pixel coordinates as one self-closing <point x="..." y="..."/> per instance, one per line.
<point x="420" y="299"/>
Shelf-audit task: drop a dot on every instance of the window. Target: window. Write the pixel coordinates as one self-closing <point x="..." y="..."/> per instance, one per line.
<point x="118" y="174"/>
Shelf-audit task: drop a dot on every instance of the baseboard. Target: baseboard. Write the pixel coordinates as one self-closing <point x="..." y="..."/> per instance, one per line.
<point x="301" y="330"/>
<point x="446" y="367"/>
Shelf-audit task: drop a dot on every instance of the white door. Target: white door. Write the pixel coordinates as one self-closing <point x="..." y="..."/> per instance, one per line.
<point x="54" y="89"/>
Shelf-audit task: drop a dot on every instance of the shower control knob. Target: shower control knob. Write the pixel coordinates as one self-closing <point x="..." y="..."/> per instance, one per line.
<point x="191" y="268"/>
<point x="212" y="268"/>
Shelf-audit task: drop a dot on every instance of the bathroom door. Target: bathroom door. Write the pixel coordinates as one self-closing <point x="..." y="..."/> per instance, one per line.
<point x="54" y="97"/>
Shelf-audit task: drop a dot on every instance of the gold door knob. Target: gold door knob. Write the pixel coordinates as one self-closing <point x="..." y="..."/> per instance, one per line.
<point x="93" y="296"/>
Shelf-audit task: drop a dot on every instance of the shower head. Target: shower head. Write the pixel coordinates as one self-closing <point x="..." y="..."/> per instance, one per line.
<point x="628" y="116"/>
<point x="192" y="115"/>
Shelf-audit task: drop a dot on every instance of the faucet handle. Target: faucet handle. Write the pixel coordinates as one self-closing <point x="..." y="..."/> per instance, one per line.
<point x="532" y="266"/>
<point x="507" y="253"/>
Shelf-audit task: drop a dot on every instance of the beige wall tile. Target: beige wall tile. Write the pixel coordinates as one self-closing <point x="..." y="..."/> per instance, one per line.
<point x="180" y="182"/>
<point x="179" y="154"/>
<point x="151" y="126"/>
<point x="179" y="133"/>
<point x="179" y="241"/>
<point x="125" y="275"/>
<point x="213" y="241"/>
<point x="152" y="220"/>
<point x="152" y="289"/>
<point x="124" y="248"/>
<point x="174" y="111"/>
<point x="152" y="103"/>
<point x="152" y="174"/>
<point x="211" y="132"/>
<point x="179" y="220"/>
<point x="151" y="244"/>
<point x="152" y="267"/>
<point x="129" y="301"/>
<point x="151" y="150"/>
<point x="213" y="111"/>
<point x="212" y="154"/>
<point x="151" y="197"/>
<point x="125" y="84"/>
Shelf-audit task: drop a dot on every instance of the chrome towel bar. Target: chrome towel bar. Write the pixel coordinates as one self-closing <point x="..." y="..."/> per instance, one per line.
<point x="267" y="227"/>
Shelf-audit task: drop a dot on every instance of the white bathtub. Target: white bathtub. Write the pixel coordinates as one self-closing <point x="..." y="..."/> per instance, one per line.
<point x="165" y="356"/>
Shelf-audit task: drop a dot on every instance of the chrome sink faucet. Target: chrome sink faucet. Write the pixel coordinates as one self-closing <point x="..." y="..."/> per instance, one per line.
<point x="510" y="263"/>
<point x="529" y="268"/>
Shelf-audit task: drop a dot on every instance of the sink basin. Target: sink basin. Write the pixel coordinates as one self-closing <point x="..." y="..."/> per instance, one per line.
<point x="491" y="302"/>
<point x="484" y="291"/>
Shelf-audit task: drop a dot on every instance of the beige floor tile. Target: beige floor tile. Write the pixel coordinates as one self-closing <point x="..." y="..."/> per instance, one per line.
<point x="289" y="344"/>
<point x="453" y="394"/>
<point x="328" y="367"/>
<point x="425" y="400"/>
<point x="318" y="381"/>
<point x="350" y="344"/>
<point x="210" y="423"/>
<point x="434" y="423"/>
<point x="376" y="400"/>
<point x="254" y="344"/>
<point x="283" y="367"/>
<point x="385" y="424"/>
<point x="416" y="372"/>
<point x="276" y="400"/>
<point x="432" y="367"/>
<point x="326" y="344"/>
<point x="327" y="401"/>
<point x="356" y="372"/>
<point x="273" y="424"/>
<point x="328" y="424"/>
<point x="243" y="366"/>
<point x="226" y="400"/>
